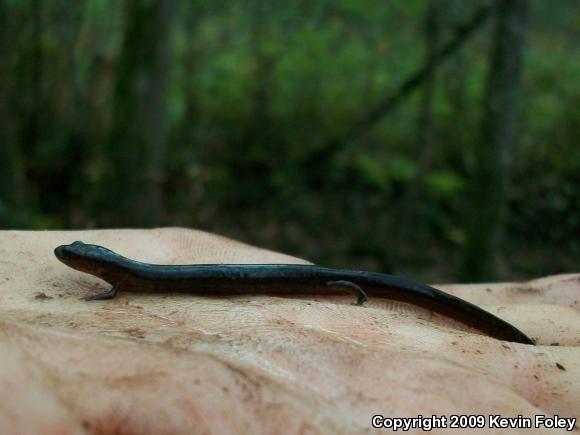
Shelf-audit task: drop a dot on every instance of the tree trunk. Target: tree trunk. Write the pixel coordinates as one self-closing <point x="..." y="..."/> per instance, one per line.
<point x="252" y="160"/>
<point x="137" y="144"/>
<point x="32" y="89"/>
<point x="257" y="136"/>
<point x="499" y="134"/>
<point x="411" y="203"/>
<point x="455" y="76"/>
<point x="11" y="164"/>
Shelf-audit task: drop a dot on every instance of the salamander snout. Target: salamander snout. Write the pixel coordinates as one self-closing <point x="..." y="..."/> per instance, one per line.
<point x="66" y="252"/>
<point x="61" y="252"/>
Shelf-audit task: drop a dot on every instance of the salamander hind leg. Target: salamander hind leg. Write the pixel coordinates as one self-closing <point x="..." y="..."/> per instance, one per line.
<point x="109" y="294"/>
<point x="361" y="294"/>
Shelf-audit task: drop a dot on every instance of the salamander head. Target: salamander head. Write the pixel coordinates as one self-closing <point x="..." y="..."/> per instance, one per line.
<point x="92" y="259"/>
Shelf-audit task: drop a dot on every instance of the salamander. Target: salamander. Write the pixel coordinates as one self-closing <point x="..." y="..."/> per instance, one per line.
<point x="125" y="274"/>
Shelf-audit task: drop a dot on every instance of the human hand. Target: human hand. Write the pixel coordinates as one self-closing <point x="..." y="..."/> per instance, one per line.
<point x="180" y="363"/>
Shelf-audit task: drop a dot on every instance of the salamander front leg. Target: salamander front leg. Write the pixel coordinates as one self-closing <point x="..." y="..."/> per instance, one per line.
<point x="361" y="295"/>
<point x="109" y="294"/>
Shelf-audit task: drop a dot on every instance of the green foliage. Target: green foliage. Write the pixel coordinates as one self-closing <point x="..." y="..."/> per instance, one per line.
<point x="401" y="168"/>
<point x="445" y="184"/>
<point x="257" y="88"/>
<point x="373" y="172"/>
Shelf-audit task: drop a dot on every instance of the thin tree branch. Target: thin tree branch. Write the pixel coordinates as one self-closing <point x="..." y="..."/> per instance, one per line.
<point x="390" y="102"/>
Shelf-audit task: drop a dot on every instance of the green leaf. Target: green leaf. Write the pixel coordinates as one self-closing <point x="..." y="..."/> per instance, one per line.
<point x="444" y="183"/>
<point x="372" y="172"/>
<point x="400" y="168"/>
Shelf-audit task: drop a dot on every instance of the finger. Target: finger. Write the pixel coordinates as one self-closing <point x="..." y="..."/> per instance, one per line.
<point x="547" y="377"/>
<point x="558" y="369"/>
<point x="561" y="290"/>
<point x="310" y="378"/>
<point x="192" y="246"/>
<point x="27" y="403"/>
<point x="546" y="324"/>
<point x="29" y="278"/>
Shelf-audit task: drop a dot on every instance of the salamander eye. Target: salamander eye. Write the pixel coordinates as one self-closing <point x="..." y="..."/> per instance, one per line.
<point x="103" y="250"/>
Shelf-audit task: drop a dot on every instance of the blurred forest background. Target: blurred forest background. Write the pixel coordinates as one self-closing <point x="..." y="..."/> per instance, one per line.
<point x="433" y="138"/>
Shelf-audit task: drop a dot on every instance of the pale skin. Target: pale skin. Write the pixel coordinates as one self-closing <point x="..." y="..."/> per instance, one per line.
<point x="179" y="363"/>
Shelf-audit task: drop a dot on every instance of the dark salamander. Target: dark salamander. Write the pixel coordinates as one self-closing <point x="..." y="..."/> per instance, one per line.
<point x="125" y="274"/>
